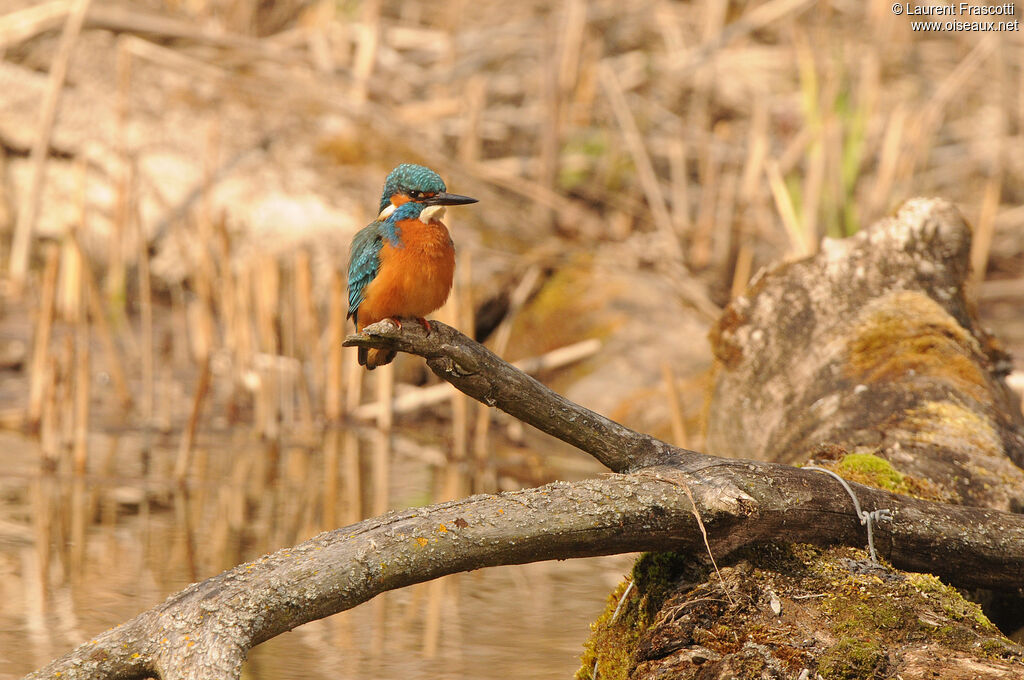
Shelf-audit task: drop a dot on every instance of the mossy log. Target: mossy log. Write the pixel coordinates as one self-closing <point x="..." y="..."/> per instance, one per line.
<point x="868" y="359"/>
<point x="776" y="608"/>
<point x="872" y="346"/>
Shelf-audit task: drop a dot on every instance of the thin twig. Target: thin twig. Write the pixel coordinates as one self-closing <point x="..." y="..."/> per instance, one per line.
<point x="40" y="148"/>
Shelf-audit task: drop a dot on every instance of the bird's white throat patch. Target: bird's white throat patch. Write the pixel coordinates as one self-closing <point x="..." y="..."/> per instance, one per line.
<point x="431" y="212"/>
<point x="386" y="212"/>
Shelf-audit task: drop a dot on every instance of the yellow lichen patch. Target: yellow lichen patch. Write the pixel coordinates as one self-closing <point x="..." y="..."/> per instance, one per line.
<point x="948" y="425"/>
<point x="907" y="333"/>
<point x="443" y="529"/>
<point x="422" y="541"/>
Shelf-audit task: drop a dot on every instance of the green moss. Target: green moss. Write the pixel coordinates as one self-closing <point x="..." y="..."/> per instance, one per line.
<point x="867" y="617"/>
<point x="852" y="659"/>
<point x="657" y="573"/>
<point x="952" y="603"/>
<point x="867" y="468"/>
<point x="614" y="638"/>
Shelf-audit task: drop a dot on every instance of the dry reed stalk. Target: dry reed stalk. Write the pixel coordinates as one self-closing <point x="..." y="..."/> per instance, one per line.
<point x="353" y="378"/>
<point x="382" y="441"/>
<point x="704" y="226"/>
<point x="550" y="129"/>
<point x="66" y="396"/>
<point x="675" y="406"/>
<point x="814" y="181"/>
<point x="352" y="476"/>
<point x="287" y="360"/>
<point x="741" y="272"/>
<point x="570" y="47"/>
<point x="205" y="277"/>
<point x="115" y="280"/>
<point x="49" y="419"/>
<point x="455" y="313"/>
<point x="432" y="617"/>
<point x="186" y="529"/>
<point x="24" y="24"/>
<point x="42" y="530"/>
<point x="799" y="241"/>
<point x="173" y="59"/>
<point x="333" y="397"/>
<point x="99" y="315"/>
<point x="889" y="158"/>
<point x="79" y="511"/>
<point x="319" y="19"/>
<point x="307" y="332"/>
<point x="487" y="476"/>
<point x="242" y="333"/>
<point x="267" y="289"/>
<point x="366" y="51"/>
<point x="147" y="351"/>
<point x="722" y="237"/>
<point x="717" y="34"/>
<point x="82" y="389"/>
<point x="201" y="326"/>
<point x="453" y="485"/>
<point x="163" y="416"/>
<point x="794" y="152"/>
<point x="49" y="440"/>
<point x="474" y="102"/>
<point x="757" y="151"/>
<point x="226" y="298"/>
<point x="981" y="244"/>
<point x="641" y="159"/>
<point x="39" y="371"/>
<point x="951" y="86"/>
<point x="680" y="185"/>
<point x="41" y="145"/>
<point x="179" y="319"/>
<point x="332" y="450"/>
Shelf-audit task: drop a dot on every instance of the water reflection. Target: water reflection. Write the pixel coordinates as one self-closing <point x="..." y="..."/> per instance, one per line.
<point x="79" y="553"/>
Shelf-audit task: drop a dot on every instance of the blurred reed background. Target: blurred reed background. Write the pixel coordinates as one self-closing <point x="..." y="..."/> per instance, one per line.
<point x="180" y="181"/>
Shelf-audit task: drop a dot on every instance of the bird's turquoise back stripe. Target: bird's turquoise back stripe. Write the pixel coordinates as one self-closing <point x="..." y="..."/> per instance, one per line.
<point x="364" y="258"/>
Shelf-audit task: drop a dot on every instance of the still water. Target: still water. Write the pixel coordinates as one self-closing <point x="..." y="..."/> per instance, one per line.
<point x="81" y="553"/>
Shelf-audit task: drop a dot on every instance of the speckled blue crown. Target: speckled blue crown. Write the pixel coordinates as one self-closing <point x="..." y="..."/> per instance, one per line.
<point x="410" y="177"/>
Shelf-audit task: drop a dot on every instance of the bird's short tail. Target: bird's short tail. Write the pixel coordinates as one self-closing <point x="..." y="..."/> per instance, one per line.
<point x="372" y="358"/>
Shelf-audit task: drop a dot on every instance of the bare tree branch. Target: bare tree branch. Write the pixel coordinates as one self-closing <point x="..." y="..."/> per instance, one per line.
<point x="483" y="375"/>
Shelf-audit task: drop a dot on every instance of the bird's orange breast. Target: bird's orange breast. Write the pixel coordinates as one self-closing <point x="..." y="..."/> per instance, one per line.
<point x="415" y="278"/>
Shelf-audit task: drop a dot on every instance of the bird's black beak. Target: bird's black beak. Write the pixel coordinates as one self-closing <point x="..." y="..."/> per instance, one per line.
<point x="444" y="198"/>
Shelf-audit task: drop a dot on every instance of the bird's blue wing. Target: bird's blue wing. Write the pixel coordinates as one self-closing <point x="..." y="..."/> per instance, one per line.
<point x="363" y="264"/>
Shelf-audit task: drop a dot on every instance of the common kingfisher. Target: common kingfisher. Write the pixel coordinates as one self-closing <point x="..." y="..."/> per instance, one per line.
<point x="401" y="265"/>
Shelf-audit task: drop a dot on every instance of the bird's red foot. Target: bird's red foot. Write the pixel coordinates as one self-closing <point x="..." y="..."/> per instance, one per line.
<point x="395" y="320"/>
<point x="423" y="322"/>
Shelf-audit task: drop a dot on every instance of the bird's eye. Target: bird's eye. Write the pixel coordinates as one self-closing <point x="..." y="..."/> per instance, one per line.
<point x="416" y="194"/>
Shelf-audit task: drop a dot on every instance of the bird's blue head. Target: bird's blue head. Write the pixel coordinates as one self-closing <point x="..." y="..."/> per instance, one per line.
<point x="410" y="182"/>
